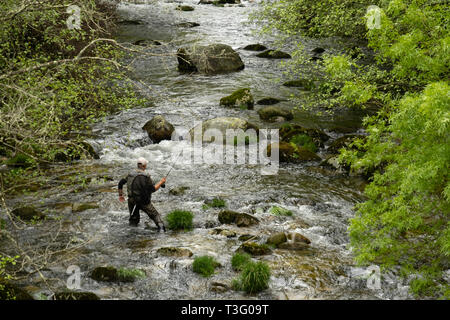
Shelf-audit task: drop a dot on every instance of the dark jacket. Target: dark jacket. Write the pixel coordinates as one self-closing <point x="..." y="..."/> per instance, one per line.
<point x="139" y="186"/>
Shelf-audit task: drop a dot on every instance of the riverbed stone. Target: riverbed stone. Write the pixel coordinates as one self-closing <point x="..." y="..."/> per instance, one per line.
<point x="269" y="113"/>
<point x="287" y="131"/>
<point x="298" y="238"/>
<point x="254" y="248"/>
<point x="75" y="295"/>
<point x="211" y="59"/>
<point x="188" y="24"/>
<point x="267" y="101"/>
<point x="219" y="287"/>
<point x="293" y="246"/>
<point x="255" y="47"/>
<point x="147" y="42"/>
<point x="277" y="239"/>
<point x="175" y="252"/>
<point x="11" y="291"/>
<point x="158" y="129"/>
<point x="240" y="219"/>
<point x="106" y="274"/>
<point x="83" y="206"/>
<point x="290" y="153"/>
<point x="178" y="191"/>
<point x="240" y="98"/>
<point x="184" y="8"/>
<point x="223" y="124"/>
<point x="246" y="237"/>
<point x="274" y="54"/>
<point x="28" y="213"/>
<point x="300" y="83"/>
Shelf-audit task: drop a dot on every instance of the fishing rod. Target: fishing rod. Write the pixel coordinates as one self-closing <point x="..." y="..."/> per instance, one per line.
<point x="164" y="185"/>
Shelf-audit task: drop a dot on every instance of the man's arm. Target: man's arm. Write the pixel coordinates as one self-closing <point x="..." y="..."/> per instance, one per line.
<point x="155" y="187"/>
<point x="120" y="187"/>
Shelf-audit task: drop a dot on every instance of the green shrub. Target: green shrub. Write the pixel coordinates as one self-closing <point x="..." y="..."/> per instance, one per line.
<point x="205" y="265"/>
<point x="279" y="211"/>
<point x="129" y="275"/>
<point x="254" y="278"/>
<point x="239" y="260"/>
<point x="180" y="219"/>
<point x="304" y="141"/>
<point x="214" y="203"/>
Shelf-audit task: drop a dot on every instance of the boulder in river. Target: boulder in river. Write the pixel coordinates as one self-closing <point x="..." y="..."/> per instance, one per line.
<point x="291" y="153"/>
<point x="287" y="131"/>
<point x="269" y="113"/>
<point x="240" y="98"/>
<point x="255" y="47"/>
<point x="268" y="101"/>
<point x="277" y="239"/>
<point x="293" y="246"/>
<point x="188" y="24"/>
<point x="318" y="50"/>
<point x="83" y="206"/>
<point x="28" y="213"/>
<point x="107" y="274"/>
<point x="240" y="219"/>
<point x="274" y="54"/>
<point x="298" y="238"/>
<point x="174" y="252"/>
<point x="158" y="129"/>
<point x="147" y="42"/>
<point x="254" y="248"/>
<point x="178" y="191"/>
<point x="184" y="8"/>
<point x="211" y="59"/>
<point x="222" y="124"/>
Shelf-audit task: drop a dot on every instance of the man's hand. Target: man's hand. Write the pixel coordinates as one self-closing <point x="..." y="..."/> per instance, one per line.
<point x="121" y="199"/>
<point x="163" y="180"/>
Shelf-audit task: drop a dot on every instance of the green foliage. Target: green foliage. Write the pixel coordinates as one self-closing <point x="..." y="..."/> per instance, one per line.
<point x="129" y="275"/>
<point x="239" y="260"/>
<point x="214" y="203"/>
<point x="205" y="265"/>
<point x="5" y="292"/>
<point x="404" y="221"/>
<point x="279" y="211"/>
<point x="180" y="220"/>
<point x="254" y="278"/>
<point x="304" y="141"/>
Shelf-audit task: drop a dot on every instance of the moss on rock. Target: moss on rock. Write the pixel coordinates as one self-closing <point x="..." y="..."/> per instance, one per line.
<point x="270" y="112"/>
<point x="240" y="98"/>
<point x="255" y="47"/>
<point x="254" y="248"/>
<point x="175" y="252"/>
<point x="274" y="54"/>
<point x="291" y="153"/>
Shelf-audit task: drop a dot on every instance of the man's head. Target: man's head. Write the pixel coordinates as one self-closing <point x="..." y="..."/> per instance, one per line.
<point x="142" y="163"/>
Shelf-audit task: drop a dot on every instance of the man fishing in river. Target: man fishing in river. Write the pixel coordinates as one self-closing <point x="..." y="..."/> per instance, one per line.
<point x="139" y="189"/>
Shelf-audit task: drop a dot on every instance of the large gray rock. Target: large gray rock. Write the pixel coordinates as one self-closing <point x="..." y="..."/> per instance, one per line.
<point x="211" y="59"/>
<point x="222" y="124"/>
<point x="158" y="129"/>
<point x="270" y="112"/>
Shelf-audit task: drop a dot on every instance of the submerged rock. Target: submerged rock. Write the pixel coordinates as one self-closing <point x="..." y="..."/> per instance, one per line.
<point x="291" y="153"/>
<point x="277" y="239"/>
<point x="178" y="191"/>
<point x="211" y="59"/>
<point x="184" y="8"/>
<point x="274" y="54"/>
<point x="107" y="274"/>
<point x="298" y="238"/>
<point x="75" y="295"/>
<point x="289" y="130"/>
<point x="269" y="113"/>
<point x="246" y="237"/>
<point x="240" y="98"/>
<point x="158" y="129"/>
<point x="28" y="213"/>
<point x="147" y="42"/>
<point x="79" y="207"/>
<point x="240" y="219"/>
<point x="293" y="246"/>
<point x="300" y="83"/>
<point x="255" y="47"/>
<point x="254" y="248"/>
<point x="188" y="24"/>
<point x="222" y="124"/>
<point x="175" y="252"/>
<point x="268" y="101"/>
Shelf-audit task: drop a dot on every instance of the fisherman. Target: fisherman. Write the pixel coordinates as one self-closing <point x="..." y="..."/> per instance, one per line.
<point x="139" y="189"/>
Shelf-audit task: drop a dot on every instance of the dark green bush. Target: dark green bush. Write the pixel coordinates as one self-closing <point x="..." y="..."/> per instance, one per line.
<point x="304" y="141"/>
<point x="214" y="203"/>
<point x="205" y="265"/>
<point x="255" y="277"/>
<point x="239" y="260"/>
<point x="180" y="220"/>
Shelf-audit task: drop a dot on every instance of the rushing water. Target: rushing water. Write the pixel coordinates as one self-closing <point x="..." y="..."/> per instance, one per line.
<point x="321" y="201"/>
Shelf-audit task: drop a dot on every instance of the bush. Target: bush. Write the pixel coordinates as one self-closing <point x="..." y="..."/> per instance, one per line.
<point x="279" y="211"/>
<point x="304" y="141"/>
<point x="214" y="203"/>
<point x="129" y="275"/>
<point x="254" y="278"/>
<point x="239" y="260"/>
<point x="205" y="265"/>
<point x="179" y="219"/>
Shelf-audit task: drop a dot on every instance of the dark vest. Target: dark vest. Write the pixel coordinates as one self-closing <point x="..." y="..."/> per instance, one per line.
<point x="130" y="179"/>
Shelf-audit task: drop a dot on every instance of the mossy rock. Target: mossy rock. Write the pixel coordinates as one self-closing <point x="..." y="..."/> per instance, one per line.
<point x="255" y="47"/>
<point x="174" y="252"/>
<point x="240" y="219"/>
<point x="300" y="83"/>
<point x="188" y="24"/>
<point x="274" y="54"/>
<point x="28" y="213"/>
<point x="280" y="211"/>
<point x="178" y="191"/>
<point x="287" y="131"/>
<point x="277" y="239"/>
<point x="185" y="8"/>
<point x="223" y="232"/>
<point x="241" y="98"/>
<point x="298" y="238"/>
<point x="288" y="152"/>
<point x="246" y="237"/>
<point x="158" y="129"/>
<point x="106" y="274"/>
<point x="293" y="246"/>
<point x="79" y="207"/>
<point x="10" y="291"/>
<point x="270" y="112"/>
<point x="254" y="248"/>
<point x="267" y="101"/>
<point x="75" y="295"/>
